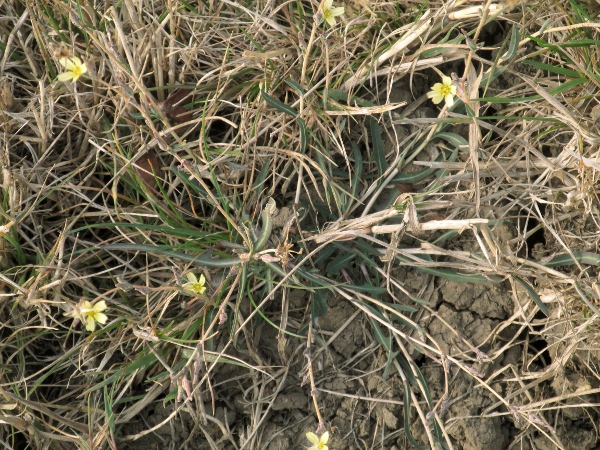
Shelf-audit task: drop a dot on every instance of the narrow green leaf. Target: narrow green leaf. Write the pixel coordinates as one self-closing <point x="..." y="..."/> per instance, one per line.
<point x="446" y="273"/>
<point x="190" y="182"/>
<point x="340" y="262"/>
<point x="566" y="259"/>
<point x="204" y="259"/>
<point x="267" y="225"/>
<point x="388" y="365"/>
<point x="403" y="308"/>
<point x="513" y="46"/>
<point x="454" y="139"/>
<point x="368" y="288"/>
<point x="303" y="134"/>
<point x="557" y="90"/>
<point x="318" y="305"/>
<point x="583" y="296"/>
<point x="414" y="177"/>
<point x="292" y="112"/>
<point x="381" y="337"/>
<point x="358" y="171"/>
<point x="554" y="69"/>
<point x="378" y="151"/>
<point x="324" y="255"/>
<point x="407" y="405"/>
<point x="279" y="105"/>
<point x="534" y="296"/>
<point x="262" y="175"/>
<point x="143" y="361"/>
<point x="171" y="231"/>
<point x="295" y="86"/>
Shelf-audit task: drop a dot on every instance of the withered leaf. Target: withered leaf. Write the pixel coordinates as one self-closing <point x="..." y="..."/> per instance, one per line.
<point x="146" y="166"/>
<point x="172" y="108"/>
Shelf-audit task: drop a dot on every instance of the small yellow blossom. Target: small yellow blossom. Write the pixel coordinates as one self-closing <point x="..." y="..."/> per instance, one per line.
<point x="443" y="91"/>
<point x="195" y="286"/>
<point x="75" y="68"/>
<point x="92" y="314"/>
<point x="319" y="443"/>
<point x="329" y="13"/>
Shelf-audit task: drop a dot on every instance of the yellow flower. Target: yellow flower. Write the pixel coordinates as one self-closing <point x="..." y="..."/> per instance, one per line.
<point x="319" y="443"/>
<point x="75" y="68"/>
<point x="329" y="13"/>
<point x="195" y="286"/>
<point x="92" y="314"/>
<point x="443" y="91"/>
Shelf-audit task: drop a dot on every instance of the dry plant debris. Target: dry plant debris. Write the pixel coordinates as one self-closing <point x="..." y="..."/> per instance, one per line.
<point x="225" y="224"/>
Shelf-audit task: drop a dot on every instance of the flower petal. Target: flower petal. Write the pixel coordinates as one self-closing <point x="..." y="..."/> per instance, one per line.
<point x="437" y="98"/>
<point x="312" y="437"/>
<point x="324" y="438"/>
<point x="65" y="76"/>
<point x="449" y="99"/>
<point x="327" y="4"/>
<point x="90" y="325"/>
<point x="202" y="280"/>
<point x="191" y="277"/>
<point x="101" y="318"/>
<point x="64" y="61"/>
<point x="447" y="80"/>
<point x="337" y="11"/>
<point x="100" y="306"/>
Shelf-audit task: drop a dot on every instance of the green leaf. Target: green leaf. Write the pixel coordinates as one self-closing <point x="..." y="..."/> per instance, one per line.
<point x="295" y="86"/>
<point x="340" y="262"/>
<point x="557" y="90"/>
<point x="407" y="405"/>
<point x="324" y="255"/>
<point x="534" y="296"/>
<point x="144" y="361"/>
<point x="381" y="337"/>
<point x="368" y="288"/>
<point x="292" y="112"/>
<point x="190" y="182"/>
<point x="204" y="259"/>
<point x="378" y="152"/>
<point x="279" y="105"/>
<point x="303" y="138"/>
<point x="565" y="259"/>
<point x="262" y="175"/>
<point x="452" y="275"/>
<point x="318" y="305"/>
<point x="554" y="69"/>
<point x="403" y="308"/>
<point x="513" y="46"/>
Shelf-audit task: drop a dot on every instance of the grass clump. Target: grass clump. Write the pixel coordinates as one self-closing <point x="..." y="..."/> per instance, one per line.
<point x="194" y="193"/>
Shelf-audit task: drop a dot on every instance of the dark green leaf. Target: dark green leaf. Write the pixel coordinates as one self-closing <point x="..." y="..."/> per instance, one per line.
<point x="318" y="304"/>
<point x="534" y="296"/>
<point x="378" y="151"/>
<point x="340" y="262"/>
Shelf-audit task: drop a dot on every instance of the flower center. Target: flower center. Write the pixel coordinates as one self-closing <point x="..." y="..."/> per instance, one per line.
<point x="198" y="287"/>
<point x="76" y="71"/>
<point x="446" y="89"/>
